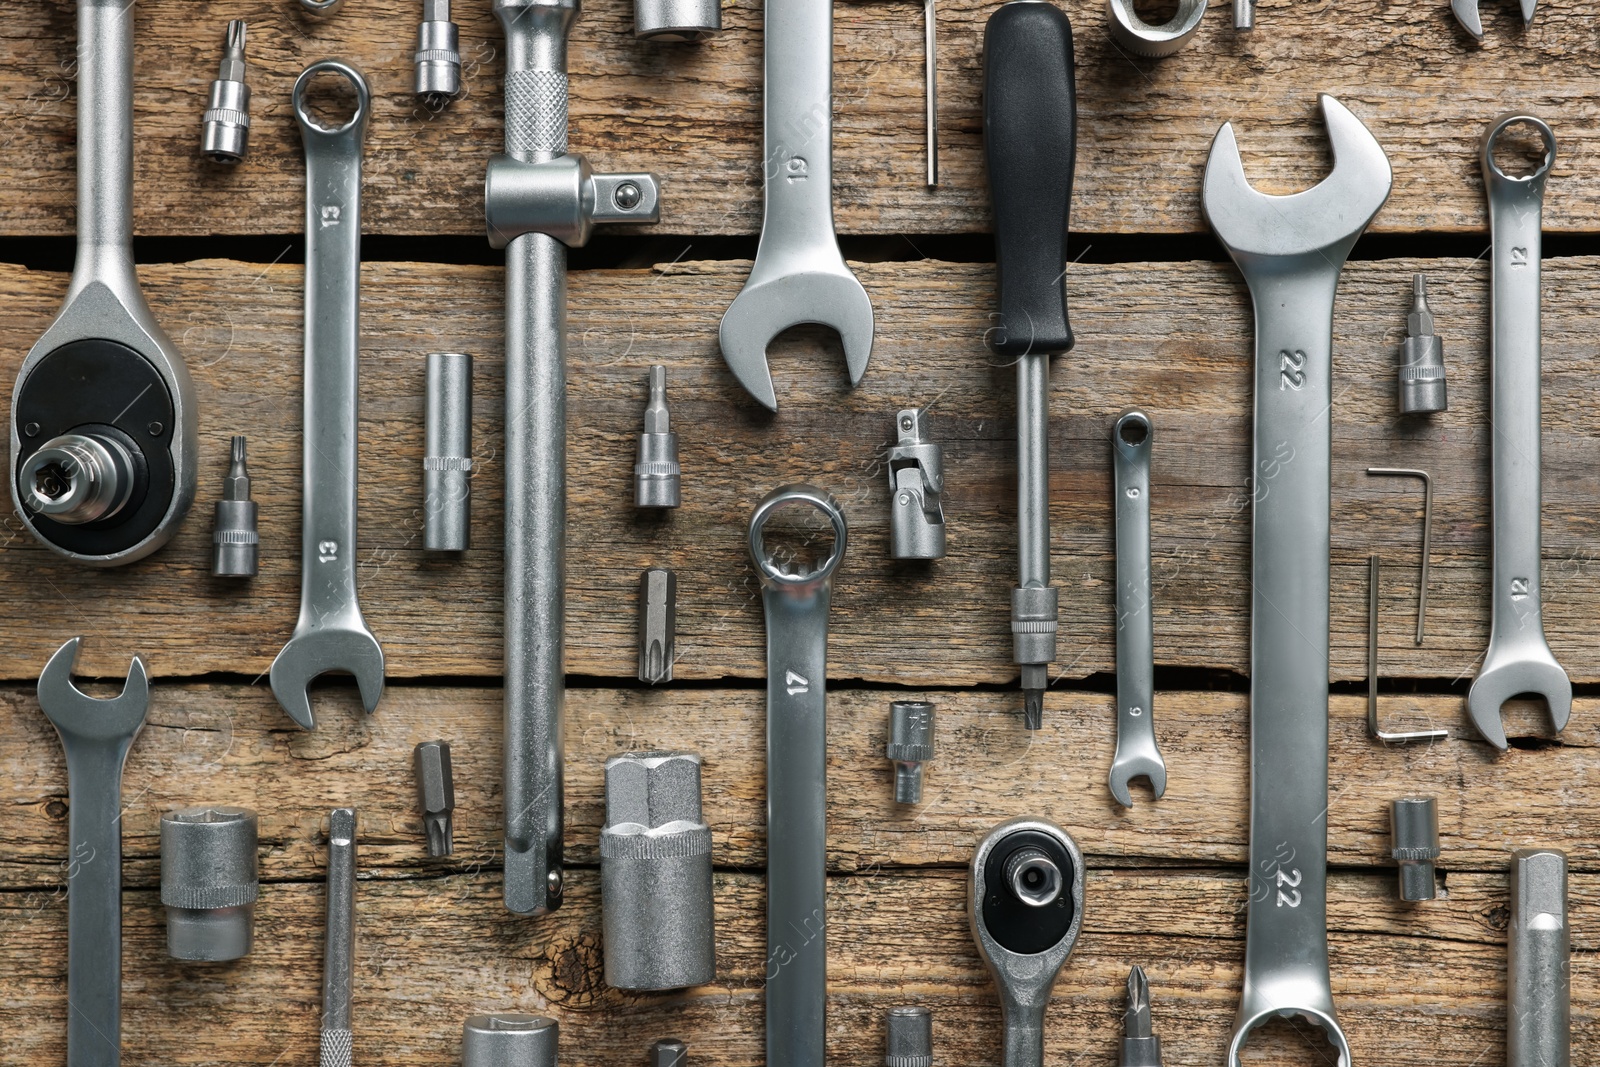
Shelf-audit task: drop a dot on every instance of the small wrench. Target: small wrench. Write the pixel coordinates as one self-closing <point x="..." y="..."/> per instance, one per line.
<point x="1519" y="659"/>
<point x="95" y="736"/>
<point x="331" y="635"/>
<point x="797" y="846"/>
<point x="1137" y="753"/>
<point x="1291" y="250"/>
<point x="799" y="275"/>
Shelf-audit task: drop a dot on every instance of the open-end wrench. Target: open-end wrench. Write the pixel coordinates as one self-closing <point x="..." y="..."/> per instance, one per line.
<point x="797" y="731"/>
<point x="1137" y="755"/>
<point x="1519" y="659"/>
<point x="95" y="736"/>
<point x="1466" y="13"/>
<point x="799" y="275"/>
<point x="1291" y="250"/>
<point x="103" y="437"/>
<point x="331" y="635"/>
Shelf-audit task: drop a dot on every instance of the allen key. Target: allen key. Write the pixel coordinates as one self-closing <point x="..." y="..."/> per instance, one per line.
<point x="1427" y="533"/>
<point x="1372" y="669"/>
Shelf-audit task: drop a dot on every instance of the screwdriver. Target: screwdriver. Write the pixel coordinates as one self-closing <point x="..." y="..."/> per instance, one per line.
<point x="1030" y="118"/>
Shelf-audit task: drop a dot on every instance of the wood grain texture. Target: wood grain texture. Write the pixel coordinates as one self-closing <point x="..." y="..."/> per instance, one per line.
<point x="1172" y="337"/>
<point x="693" y="114"/>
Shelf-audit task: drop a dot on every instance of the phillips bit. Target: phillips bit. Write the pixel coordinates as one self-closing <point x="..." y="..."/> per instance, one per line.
<point x="438" y="55"/>
<point x="225" y="126"/>
<point x="1140" y="1047"/>
<point x="658" y="624"/>
<point x="436" y="791"/>
<point x="1421" y="372"/>
<point x="655" y="475"/>
<point x="234" y="542"/>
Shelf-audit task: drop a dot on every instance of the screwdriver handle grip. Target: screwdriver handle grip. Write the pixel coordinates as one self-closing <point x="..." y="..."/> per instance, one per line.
<point x="1030" y="119"/>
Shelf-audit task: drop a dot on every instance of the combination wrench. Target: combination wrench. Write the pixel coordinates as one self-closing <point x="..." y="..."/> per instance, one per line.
<point x="1519" y="659"/>
<point x="796" y="603"/>
<point x="1137" y="754"/>
<point x="1291" y="250"/>
<point x="331" y="634"/>
<point x="95" y="736"/>
<point x="103" y="439"/>
<point x="799" y="274"/>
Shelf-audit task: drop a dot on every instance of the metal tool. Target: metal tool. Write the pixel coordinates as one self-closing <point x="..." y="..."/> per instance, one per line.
<point x="658" y="624"/>
<point x="930" y="88"/>
<point x="338" y="960"/>
<point x="796" y="605"/>
<point x="655" y="874"/>
<point x="656" y="475"/>
<point x="438" y="56"/>
<point x="1388" y="737"/>
<point x="235" y="542"/>
<point x="1414" y="845"/>
<point x="909" y="1037"/>
<point x="1466" y="13"/>
<point x="209" y="881"/>
<point x="321" y="8"/>
<point x="910" y="746"/>
<point x="436" y="794"/>
<point x="509" y="1040"/>
<point x="668" y="1052"/>
<point x="95" y="738"/>
<point x="1025" y="905"/>
<point x="677" y="20"/>
<point x="1154" y="41"/>
<point x="1291" y="250"/>
<point x="1137" y="755"/>
<point x="1420" y="376"/>
<point x="799" y="274"/>
<point x="1538" y="947"/>
<point x="1519" y="659"/>
<point x="225" y="126"/>
<point x="1244" y="14"/>
<point x="916" y="490"/>
<point x="1140" y="1046"/>
<point x="103" y="441"/>
<point x="447" y="462"/>
<point x="1427" y="533"/>
<point x="538" y="200"/>
<point x="331" y="634"/>
<point x="1030" y="140"/>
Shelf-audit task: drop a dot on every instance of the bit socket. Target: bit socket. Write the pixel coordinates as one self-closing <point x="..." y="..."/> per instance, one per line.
<point x="509" y="1040"/>
<point x="1140" y="1046"/>
<point x="225" y="126"/>
<point x="1538" y="949"/>
<point x="658" y="624"/>
<point x="235" y="544"/>
<point x="1421" y="373"/>
<point x="655" y="874"/>
<point x="436" y="791"/>
<point x="1414" y="844"/>
<point x="438" y="55"/>
<point x="668" y="1052"/>
<point x="209" y="882"/>
<point x="909" y="1039"/>
<point x="677" y="20"/>
<point x="916" y="489"/>
<point x="447" y="459"/>
<point x="656" y="478"/>
<point x="910" y="746"/>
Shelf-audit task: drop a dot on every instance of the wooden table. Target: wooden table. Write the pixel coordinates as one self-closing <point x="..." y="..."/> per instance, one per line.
<point x="1163" y="322"/>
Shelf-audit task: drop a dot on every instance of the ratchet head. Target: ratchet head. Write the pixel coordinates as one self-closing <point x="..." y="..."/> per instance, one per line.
<point x="85" y="717"/>
<point x="1323" y="221"/>
<point x="822" y="292"/>
<point x="318" y="648"/>
<point x="1512" y="667"/>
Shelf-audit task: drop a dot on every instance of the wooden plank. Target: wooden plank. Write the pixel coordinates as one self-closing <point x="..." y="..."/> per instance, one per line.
<point x="1173" y="337"/>
<point x="692" y="115"/>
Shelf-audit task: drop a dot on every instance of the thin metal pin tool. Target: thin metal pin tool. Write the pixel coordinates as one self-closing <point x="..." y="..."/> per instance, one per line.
<point x="1427" y="533"/>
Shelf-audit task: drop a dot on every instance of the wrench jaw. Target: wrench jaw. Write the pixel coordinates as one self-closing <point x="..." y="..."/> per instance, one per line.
<point x="316" y="649"/>
<point x="1136" y="760"/>
<point x="83" y="717"/>
<point x="764" y="309"/>
<point x="1529" y="668"/>
<point x="1252" y="1015"/>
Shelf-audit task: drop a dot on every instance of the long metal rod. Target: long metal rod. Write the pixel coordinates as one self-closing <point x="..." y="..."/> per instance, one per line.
<point x="1033" y="521"/>
<point x="338" y="960"/>
<point x="105" y="142"/>
<point x="1427" y="533"/>
<point x="930" y="48"/>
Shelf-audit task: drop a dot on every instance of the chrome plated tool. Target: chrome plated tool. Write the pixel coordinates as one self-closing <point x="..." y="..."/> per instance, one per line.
<point x="1414" y="845"/>
<point x="1154" y="41"/>
<point x="1420" y="383"/>
<point x="225" y="126"/>
<point x="1466" y="13"/>
<point x="1427" y="533"/>
<point x="1538" y="969"/>
<point x="447" y="456"/>
<point x="1137" y="755"/>
<point x="1388" y="737"/>
<point x="916" y="490"/>
<point x="210" y="879"/>
<point x="338" y="961"/>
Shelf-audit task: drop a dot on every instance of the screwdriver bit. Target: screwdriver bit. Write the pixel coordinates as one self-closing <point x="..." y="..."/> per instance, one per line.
<point x="438" y="55"/>
<point x="437" y="792"/>
<point x="656" y="475"/>
<point x="1421" y="373"/>
<point x="1140" y="1047"/>
<point x="669" y="1052"/>
<point x="225" y="126"/>
<point x="234" y="542"/>
<point x="658" y="624"/>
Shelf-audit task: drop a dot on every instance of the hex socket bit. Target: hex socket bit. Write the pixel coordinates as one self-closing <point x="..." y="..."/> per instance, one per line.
<point x="655" y="874"/>
<point x="447" y="462"/>
<point x="656" y="474"/>
<point x="235" y="543"/>
<point x="209" y="881"/>
<point x="507" y="1039"/>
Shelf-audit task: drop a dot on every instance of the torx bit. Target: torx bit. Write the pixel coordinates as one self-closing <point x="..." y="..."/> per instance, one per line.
<point x="234" y="542"/>
<point x="1140" y="1046"/>
<point x="225" y="126"/>
<point x="658" y="624"/>
<point x="436" y="791"/>
<point x="438" y="55"/>
<point x="338" y="959"/>
<point x="1421" y="373"/>
<point x="655" y="475"/>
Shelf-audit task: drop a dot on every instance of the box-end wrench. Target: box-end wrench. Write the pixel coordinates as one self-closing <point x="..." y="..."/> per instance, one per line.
<point x="1291" y="250"/>
<point x="1137" y="754"/>
<point x="103" y="439"/>
<point x="799" y="274"/>
<point x="95" y="736"/>
<point x="330" y="635"/>
<point x="1519" y="659"/>
<point x="1025" y="905"/>
<point x="796" y="603"/>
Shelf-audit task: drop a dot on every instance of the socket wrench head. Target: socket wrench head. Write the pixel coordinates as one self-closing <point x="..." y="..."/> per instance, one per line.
<point x="509" y="1039"/>
<point x="209" y="881"/>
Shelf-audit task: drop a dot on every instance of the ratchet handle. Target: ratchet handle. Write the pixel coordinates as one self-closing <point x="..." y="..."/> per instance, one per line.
<point x="1030" y="119"/>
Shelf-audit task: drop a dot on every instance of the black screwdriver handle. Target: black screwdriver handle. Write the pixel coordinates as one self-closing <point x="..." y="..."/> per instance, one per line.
<point x="1030" y="121"/>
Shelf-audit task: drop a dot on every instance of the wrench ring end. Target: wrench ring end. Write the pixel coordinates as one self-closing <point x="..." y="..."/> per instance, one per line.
<point x="1322" y="1020"/>
<point x="358" y="82"/>
<point x="819" y="499"/>
<point x="1505" y="122"/>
